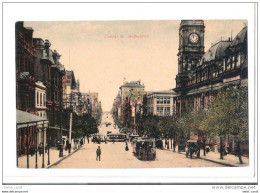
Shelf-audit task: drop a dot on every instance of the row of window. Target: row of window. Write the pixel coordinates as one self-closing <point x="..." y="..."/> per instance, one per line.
<point x="25" y="65"/>
<point x="163" y="100"/>
<point x="163" y="111"/>
<point x="226" y="65"/>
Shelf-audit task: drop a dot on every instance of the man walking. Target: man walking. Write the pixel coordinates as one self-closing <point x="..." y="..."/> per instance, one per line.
<point x="98" y="153"/>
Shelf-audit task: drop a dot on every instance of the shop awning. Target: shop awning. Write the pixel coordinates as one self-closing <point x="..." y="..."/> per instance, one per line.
<point x="24" y="119"/>
<point x="57" y="128"/>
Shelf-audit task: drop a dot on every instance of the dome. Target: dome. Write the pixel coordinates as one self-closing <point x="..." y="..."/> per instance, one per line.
<point x="240" y="38"/>
<point x="216" y="52"/>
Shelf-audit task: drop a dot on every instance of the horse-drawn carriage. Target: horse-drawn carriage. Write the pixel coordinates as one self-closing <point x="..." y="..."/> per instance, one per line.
<point x="192" y="147"/>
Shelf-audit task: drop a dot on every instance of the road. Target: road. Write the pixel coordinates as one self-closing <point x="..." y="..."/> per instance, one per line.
<point x="114" y="156"/>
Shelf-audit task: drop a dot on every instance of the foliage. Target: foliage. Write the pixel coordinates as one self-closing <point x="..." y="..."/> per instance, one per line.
<point x="228" y="114"/>
<point x="85" y="124"/>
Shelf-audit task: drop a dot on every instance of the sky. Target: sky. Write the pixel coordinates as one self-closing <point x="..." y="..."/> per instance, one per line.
<point x="104" y="53"/>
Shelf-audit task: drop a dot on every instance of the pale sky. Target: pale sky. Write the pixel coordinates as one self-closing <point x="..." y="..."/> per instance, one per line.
<point x="101" y="63"/>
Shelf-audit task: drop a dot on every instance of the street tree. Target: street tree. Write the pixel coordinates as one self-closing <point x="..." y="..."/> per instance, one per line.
<point x="228" y="114"/>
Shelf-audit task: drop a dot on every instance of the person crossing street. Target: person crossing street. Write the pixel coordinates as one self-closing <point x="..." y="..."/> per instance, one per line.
<point x="98" y="152"/>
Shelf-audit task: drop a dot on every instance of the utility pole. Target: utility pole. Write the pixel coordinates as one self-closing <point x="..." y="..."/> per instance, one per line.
<point x="71" y="95"/>
<point x="70" y="131"/>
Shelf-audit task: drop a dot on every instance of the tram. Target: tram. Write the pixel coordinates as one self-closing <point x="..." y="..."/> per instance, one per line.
<point x="116" y="137"/>
<point x="144" y="148"/>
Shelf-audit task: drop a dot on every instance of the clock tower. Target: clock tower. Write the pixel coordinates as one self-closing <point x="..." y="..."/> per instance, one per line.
<point x="191" y="49"/>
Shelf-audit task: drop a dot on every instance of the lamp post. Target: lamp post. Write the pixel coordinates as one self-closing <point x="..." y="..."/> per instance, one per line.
<point x="70" y="126"/>
<point x="43" y="145"/>
<point x="36" y="148"/>
<point x="27" y="145"/>
<point x="61" y="141"/>
<point x="48" y="148"/>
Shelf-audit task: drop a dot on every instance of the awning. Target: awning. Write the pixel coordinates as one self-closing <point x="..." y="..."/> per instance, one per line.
<point x="24" y="119"/>
<point x="57" y="128"/>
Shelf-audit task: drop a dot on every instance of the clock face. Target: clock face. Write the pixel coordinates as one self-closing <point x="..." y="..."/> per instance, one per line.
<point x="194" y="38"/>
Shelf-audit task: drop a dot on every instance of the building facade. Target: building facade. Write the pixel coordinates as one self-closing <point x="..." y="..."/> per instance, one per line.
<point x="160" y="103"/>
<point x="125" y="90"/>
<point x="25" y="68"/>
<point x="202" y="75"/>
<point x="40" y="99"/>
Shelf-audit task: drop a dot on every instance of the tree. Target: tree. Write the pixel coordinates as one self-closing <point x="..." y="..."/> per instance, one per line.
<point x="229" y="115"/>
<point x="85" y="124"/>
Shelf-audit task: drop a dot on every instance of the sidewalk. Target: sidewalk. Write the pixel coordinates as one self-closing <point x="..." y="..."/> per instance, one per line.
<point x="228" y="160"/>
<point x="54" y="157"/>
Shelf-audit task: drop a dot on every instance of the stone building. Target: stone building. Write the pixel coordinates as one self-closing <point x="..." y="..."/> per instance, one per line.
<point x="40" y="99"/>
<point x="86" y="103"/>
<point x="50" y="72"/>
<point x="133" y="109"/>
<point x="160" y="103"/>
<point x="68" y="95"/>
<point x="25" y="68"/>
<point x="125" y="89"/>
<point x="116" y="110"/>
<point x="202" y="75"/>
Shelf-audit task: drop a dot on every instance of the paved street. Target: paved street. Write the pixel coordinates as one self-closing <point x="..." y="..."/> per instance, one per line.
<point x="115" y="156"/>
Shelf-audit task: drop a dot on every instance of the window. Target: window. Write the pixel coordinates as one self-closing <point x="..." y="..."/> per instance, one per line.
<point x="238" y="60"/>
<point x="228" y="64"/>
<point x="37" y="98"/>
<point x="161" y="100"/>
<point x="168" y="100"/>
<point x="159" y="111"/>
<point x="44" y="100"/>
<point x="233" y="62"/>
<point x="41" y="99"/>
<point x="166" y="111"/>
<point x="158" y="100"/>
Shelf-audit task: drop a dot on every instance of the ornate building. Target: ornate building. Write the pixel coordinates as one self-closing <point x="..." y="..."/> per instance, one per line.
<point x="50" y="72"/>
<point x="25" y="68"/>
<point x="202" y="75"/>
<point x="125" y="90"/>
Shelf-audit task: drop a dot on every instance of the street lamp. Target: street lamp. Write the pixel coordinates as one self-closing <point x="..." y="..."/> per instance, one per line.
<point x="61" y="141"/>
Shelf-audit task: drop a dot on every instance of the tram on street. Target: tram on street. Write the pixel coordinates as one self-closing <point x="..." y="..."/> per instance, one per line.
<point x="116" y="137"/>
<point x="97" y="137"/>
<point x="144" y="148"/>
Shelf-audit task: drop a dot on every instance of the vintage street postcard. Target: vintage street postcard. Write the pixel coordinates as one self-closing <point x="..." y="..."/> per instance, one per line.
<point x="132" y="94"/>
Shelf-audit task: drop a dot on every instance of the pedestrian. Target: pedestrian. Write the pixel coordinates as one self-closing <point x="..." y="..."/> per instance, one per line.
<point x="126" y="146"/>
<point x="46" y="148"/>
<point x="98" y="152"/>
<point x="207" y="149"/>
<point x="40" y="149"/>
<point x="67" y="145"/>
<point x="74" y="142"/>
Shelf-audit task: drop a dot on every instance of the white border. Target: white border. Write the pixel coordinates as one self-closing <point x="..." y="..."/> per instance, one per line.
<point x="70" y="12"/>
